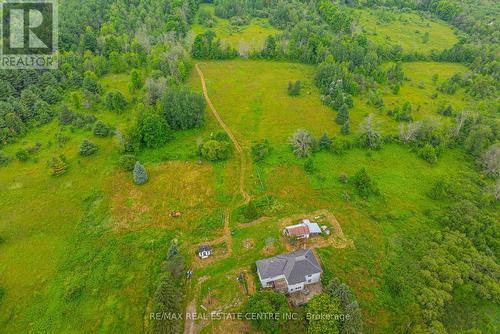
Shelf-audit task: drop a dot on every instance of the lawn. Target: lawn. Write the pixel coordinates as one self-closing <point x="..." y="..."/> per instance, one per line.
<point x="252" y="35"/>
<point x="406" y="29"/>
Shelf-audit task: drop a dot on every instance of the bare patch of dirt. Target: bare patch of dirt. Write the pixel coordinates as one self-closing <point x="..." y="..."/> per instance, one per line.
<point x="248" y="243"/>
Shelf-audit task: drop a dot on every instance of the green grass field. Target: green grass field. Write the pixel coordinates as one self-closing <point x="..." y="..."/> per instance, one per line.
<point x="97" y="242"/>
<point x="254" y="103"/>
<point x="418" y="89"/>
<point x="252" y="36"/>
<point x="406" y="29"/>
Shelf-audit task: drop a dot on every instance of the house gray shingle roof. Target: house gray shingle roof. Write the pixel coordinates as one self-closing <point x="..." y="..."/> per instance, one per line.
<point x="294" y="266"/>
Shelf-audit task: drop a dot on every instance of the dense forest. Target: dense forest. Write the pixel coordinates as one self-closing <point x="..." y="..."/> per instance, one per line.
<point x="152" y="43"/>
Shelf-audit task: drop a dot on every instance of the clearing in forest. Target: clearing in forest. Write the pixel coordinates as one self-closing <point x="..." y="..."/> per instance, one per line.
<point x="413" y="32"/>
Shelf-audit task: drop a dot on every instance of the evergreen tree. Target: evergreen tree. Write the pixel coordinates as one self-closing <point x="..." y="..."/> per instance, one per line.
<point x="90" y="83"/>
<point x="167" y="300"/>
<point x="342" y="115"/>
<point x="136" y="81"/>
<point x="345" y="128"/>
<point x="89" y="40"/>
<point x="269" y="50"/>
<point x="325" y="142"/>
<point x="66" y="116"/>
<point x="58" y="165"/>
<point x="140" y="174"/>
<point x="101" y="129"/>
<point x="87" y="148"/>
<point x="364" y="184"/>
<point x="251" y="212"/>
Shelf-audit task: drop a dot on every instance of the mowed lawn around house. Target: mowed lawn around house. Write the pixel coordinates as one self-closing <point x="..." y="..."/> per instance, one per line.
<point x="413" y="32"/>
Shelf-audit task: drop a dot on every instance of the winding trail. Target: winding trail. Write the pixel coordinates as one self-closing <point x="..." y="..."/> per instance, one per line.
<point x="237" y="146"/>
<point x="190" y="326"/>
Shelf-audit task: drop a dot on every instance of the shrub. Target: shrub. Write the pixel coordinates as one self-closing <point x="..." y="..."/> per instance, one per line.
<point x="4" y="159"/>
<point x="309" y="166"/>
<point x="183" y="109"/>
<point x="72" y="292"/>
<point x="154" y="130"/>
<point x="22" y="155"/>
<point x="115" y="101"/>
<point x="445" y="110"/>
<point x="364" y="185"/>
<point x="428" y="153"/>
<point x="260" y="150"/>
<point x="127" y="162"/>
<point x="214" y="150"/>
<point x="140" y="174"/>
<point x="90" y="83"/>
<point x="87" y="148"/>
<point x="440" y="190"/>
<point x="267" y="302"/>
<point x="135" y="80"/>
<point x="35" y="148"/>
<point x="220" y="136"/>
<point x="294" y="88"/>
<point x="250" y="211"/>
<point x="101" y="129"/>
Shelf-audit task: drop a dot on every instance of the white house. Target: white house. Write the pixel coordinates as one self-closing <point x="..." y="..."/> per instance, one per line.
<point x="289" y="272"/>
